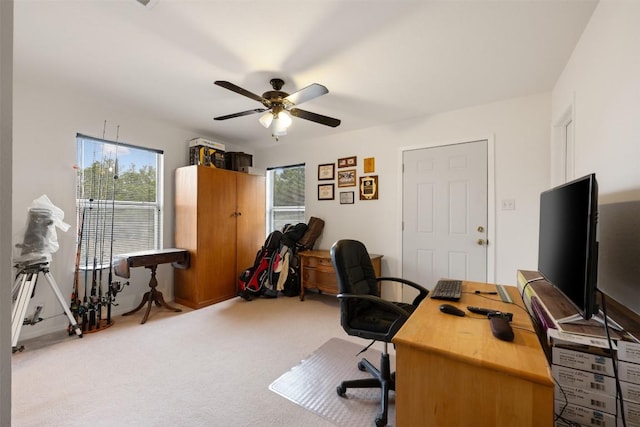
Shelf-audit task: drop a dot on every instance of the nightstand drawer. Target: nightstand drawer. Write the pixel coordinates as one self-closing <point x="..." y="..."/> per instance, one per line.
<point x="316" y="271"/>
<point x="318" y="278"/>
<point x="323" y="264"/>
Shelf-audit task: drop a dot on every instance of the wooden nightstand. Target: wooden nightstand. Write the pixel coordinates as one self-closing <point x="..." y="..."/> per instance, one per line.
<point x="316" y="271"/>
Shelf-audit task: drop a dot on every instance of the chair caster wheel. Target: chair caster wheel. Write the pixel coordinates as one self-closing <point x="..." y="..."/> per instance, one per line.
<point x="341" y="391"/>
<point x="361" y="366"/>
<point x="380" y="422"/>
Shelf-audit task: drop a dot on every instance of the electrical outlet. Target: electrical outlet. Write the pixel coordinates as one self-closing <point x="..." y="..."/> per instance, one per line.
<point x="508" y="204"/>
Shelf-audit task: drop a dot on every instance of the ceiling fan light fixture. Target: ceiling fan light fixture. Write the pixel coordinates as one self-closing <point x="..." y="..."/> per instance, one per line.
<point x="279" y="105"/>
<point x="284" y="119"/>
<point x="280" y="124"/>
<point x="266" y="119"/>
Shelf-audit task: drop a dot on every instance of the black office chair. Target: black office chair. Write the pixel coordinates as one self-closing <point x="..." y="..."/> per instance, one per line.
<point x="364" y="314"/>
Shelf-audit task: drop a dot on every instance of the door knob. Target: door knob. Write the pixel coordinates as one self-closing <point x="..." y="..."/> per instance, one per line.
<point x="480" y="229"/>
<point x="483" y="242"/>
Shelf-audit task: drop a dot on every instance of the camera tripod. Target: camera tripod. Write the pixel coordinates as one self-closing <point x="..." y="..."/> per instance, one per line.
<point x="22" y="291"/>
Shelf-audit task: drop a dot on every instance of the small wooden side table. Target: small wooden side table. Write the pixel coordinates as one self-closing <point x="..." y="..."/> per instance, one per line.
<point x="150" y="259"/>
<point x="316" y="271"/>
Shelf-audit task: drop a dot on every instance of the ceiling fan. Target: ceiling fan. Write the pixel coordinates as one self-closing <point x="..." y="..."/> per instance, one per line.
<point x="279" y="106"/>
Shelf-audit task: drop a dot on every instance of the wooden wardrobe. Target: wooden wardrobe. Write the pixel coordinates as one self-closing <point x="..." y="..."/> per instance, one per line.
<point x="220" y="220"/>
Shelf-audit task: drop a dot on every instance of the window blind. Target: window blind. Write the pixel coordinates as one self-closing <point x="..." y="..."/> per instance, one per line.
<point x="285" y="196"/>
<point x="118" y="199"/>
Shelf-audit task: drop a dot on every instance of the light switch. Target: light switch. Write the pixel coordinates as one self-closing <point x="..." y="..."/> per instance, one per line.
<point x="508" y="204"/>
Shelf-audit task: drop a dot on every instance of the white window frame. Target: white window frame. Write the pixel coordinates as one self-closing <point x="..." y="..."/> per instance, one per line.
<point x="271" y="209"/>
<point x="100" y="211"/>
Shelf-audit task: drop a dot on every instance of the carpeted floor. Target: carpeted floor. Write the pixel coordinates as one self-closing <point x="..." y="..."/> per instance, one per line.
<point x="207" y="367"/>
<point x="312" y="385"/>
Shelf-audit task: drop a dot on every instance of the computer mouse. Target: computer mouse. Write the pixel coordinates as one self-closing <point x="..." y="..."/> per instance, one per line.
<point x="451" y="309"/>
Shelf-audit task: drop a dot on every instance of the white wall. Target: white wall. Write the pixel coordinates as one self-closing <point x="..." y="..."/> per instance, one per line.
<point x="603" y="76"/>
<point x="520" y="129"/>
<point x="47" y="117"/>
<point x="6" y="273"/>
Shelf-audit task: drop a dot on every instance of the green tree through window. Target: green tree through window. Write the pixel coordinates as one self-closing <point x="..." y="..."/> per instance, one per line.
<point x="285" y="196"/>
<point x="118" y="201"/>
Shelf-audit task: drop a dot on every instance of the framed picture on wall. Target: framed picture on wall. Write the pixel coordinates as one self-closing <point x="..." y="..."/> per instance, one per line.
<point x="369" y="187"/>
<point x="326" y="192"/>
<point x="346" y="197"/>
<point x="347" y="178"/>
<point x="346" y="162"/>
<point x="326" y="171"/>
<point x="369" y="165"/>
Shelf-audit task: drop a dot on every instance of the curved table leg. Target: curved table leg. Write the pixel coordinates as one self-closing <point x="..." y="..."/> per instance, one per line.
<point x="152" y="296"/>
<point x="145" y="298"/>
<point x="160" y="302"/>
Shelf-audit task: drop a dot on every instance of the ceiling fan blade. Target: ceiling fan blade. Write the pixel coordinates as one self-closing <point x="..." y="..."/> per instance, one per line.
<point x="314" y="117"/>
<point x="241" y="91"/>
<point x="242" y="113"/>
<point x="305" y="94"/>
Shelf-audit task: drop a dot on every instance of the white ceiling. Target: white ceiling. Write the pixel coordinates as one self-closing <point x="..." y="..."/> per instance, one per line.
<point x="382" y="61"/>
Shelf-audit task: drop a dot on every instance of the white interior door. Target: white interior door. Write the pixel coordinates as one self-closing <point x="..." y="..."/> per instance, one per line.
<point x="445" y="213"/>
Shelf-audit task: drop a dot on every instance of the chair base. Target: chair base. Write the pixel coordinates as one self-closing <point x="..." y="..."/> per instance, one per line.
<point x="382" y="378"/>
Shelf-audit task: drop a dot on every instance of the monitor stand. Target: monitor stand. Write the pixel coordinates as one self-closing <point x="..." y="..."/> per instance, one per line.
<point x="577" y="319"/>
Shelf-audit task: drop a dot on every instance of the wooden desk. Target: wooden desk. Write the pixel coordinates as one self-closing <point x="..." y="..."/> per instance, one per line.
<point x="452" y="372"/>
<point x="316" y="271"/>
<point x="150" y="259"/>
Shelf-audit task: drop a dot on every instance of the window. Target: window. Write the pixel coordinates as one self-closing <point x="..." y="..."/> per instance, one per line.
<point x="118" y="194"/>
<point x="285" y="196"/>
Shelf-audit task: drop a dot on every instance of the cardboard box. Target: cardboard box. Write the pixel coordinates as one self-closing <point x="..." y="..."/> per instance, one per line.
<point x="629" y="351"/>
<point x="631" y="413"/>
<point x="582" y="343"/>
<point x="629" y="372"/>
<point x="585" y="416"/>
<point x="595" y="422"/>
<point x="560" y="423"/>
<point x="597" y="383"/>
<point x="586" y="398"/>
<point x="206" y="156"/>
<point x="576" y="341"/>
<point x="237" y="161"/>
<point x="630" y="391"/>
<point x="201" y="142"/>
<point x="583" y="361"/>
<point x="204" y="152"/>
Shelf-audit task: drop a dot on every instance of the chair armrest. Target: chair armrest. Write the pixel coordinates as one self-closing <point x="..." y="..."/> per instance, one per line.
<point x="378" y="301"/>
<point x="423" y="292"/>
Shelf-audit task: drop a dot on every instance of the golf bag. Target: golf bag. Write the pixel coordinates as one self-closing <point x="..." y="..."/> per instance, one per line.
<point x="261" y="278"/>
<point x="289" y="278"/>
<point x="276" y="267"/>
<point x="314" y="230"/>
<point x="300" y="238"/>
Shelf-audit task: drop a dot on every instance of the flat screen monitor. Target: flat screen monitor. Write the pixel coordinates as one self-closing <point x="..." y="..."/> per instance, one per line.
<point x="568" y="247"/>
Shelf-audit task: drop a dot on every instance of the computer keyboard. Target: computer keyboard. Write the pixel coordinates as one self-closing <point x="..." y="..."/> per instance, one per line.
<point x="447" y="289"/>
